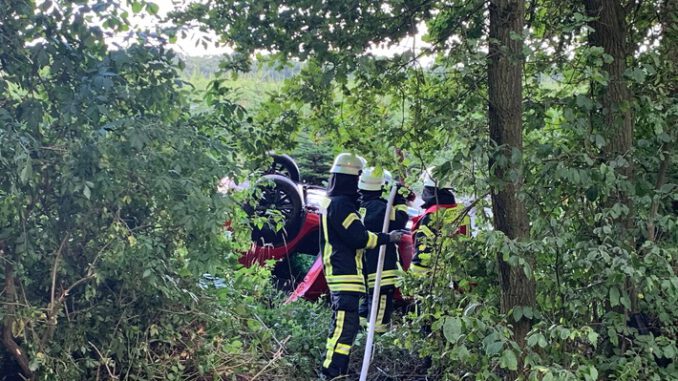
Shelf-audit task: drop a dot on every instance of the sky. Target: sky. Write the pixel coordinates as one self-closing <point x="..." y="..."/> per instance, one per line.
<point x="190" y="45"/>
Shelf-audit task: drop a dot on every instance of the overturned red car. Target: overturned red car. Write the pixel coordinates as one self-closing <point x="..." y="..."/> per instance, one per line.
<point x="291" y="210"/>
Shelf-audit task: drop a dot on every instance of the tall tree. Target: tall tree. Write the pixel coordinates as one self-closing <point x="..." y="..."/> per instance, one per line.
<point x="608" y="21"/>
<point x="505" y="115"/>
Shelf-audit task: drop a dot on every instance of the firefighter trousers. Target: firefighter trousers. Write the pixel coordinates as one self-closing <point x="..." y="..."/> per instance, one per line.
<point x="343" y="330"/>
<point x="384" y="308"/>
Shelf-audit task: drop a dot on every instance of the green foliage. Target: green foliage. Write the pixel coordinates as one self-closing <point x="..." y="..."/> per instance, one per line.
<point x="594" y="271"/>
<point x="109" y="216"/>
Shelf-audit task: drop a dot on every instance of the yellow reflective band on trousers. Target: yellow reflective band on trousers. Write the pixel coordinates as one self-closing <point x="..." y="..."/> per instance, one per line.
<point x="351" y="218"/>
<point x="332" y="341"/>
<point x="327" y="250"/>
<point x="380" y="326"/>
<point x="343" y="349"/>
<point x="372" y="240"/>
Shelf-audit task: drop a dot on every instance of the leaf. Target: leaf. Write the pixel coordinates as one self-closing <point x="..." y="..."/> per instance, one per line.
<point x="26" y="172"/>
<point x="600" y="141"/>
<point x="637" y="75"/>
<point x="527" y="312"/>
<point x="509" y="360"/>
<point x="146" y="273"/>
<point x="137" y="6"/>
<point x="667" y="188"/>
<point x="584" y="102"/>
<point x="492" y="345"/>
<point x="593" y="373"/>
<point x="625" y="301"/>
<point x="614" y="296"/>
<point x="452" y="329"/>
<point x="533" y="340"/>
<point x="152" y="8"/>
<point x="592" y="193"/>
<point x="86" y="191"/>
<point x="593" y="337"/>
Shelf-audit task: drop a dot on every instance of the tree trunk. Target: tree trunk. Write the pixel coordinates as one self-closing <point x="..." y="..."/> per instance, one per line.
<point x="609" y="32"/>
<point x="505" y="71"/>
<point x="7" y="338"/>
<point x="667" y="16"/>
<point x="616" y="117"/>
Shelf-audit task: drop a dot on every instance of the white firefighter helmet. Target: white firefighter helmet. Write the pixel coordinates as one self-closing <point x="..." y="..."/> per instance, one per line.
<point x="348" y="164"/>
<point x="372" y="179"/>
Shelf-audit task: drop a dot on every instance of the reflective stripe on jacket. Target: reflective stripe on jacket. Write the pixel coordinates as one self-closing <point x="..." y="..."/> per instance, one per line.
<point x="343" y="240"/>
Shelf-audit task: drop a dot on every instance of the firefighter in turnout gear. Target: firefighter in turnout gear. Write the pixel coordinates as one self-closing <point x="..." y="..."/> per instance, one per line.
<point x="343" y="240"/>
<point x="372" y="209"/>
<point x="441" y="209"/>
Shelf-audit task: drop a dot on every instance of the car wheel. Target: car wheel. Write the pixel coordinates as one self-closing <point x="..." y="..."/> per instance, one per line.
<point x="284" y="165"/>
<point x="279" y="203"/>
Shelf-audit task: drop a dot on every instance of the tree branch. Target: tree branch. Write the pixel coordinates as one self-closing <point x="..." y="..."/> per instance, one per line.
<point x="52" y="307"/>
<point x="661" y="179"/>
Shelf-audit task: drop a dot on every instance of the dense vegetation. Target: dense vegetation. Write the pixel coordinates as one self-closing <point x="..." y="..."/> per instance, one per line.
<point x="563" y="113"/>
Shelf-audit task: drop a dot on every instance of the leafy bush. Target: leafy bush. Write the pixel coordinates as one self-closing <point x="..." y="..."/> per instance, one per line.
<point x="109" y="217"/>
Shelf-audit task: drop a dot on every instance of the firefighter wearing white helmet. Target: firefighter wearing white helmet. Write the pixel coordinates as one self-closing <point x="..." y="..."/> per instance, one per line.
<point x="372" y="179"/>
<point x="348" y="164"/>
<point x="441" y="209"/>
<point x="344" y="238"/>
<point x="372" y="209"/>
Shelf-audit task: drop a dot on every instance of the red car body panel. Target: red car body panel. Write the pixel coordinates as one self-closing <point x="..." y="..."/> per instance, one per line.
<point x="260" y="254"/>
<point x="314" y="284"/>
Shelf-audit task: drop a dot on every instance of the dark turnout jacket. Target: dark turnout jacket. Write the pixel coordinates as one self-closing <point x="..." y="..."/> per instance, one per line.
<point x="343" y="240"/>
<point x="372" y="209"/>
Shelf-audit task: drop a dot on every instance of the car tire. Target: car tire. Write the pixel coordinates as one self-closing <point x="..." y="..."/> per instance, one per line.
<point x="279" y="193"/>
<point x="284" y="165"/>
